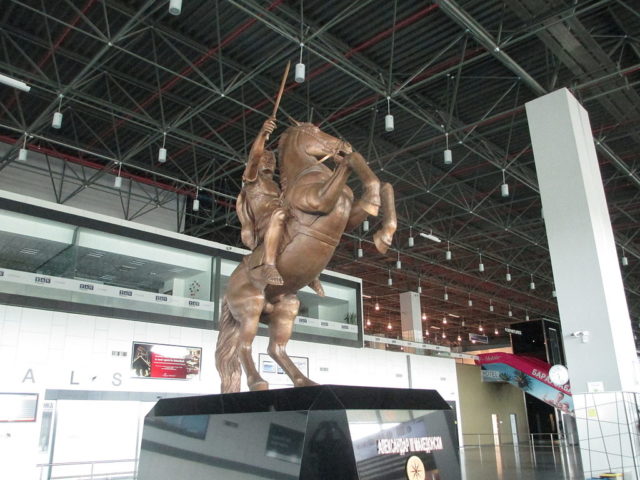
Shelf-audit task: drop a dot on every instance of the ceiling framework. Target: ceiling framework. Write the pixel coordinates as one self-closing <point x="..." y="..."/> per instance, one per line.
<point x="129" y="77"/>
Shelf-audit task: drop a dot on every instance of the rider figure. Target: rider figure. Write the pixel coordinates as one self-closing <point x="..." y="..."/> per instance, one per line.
<point x="260" y="209"/>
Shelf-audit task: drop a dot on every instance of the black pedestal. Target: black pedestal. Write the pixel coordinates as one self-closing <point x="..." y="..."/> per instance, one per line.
<point x="326" y="432"/>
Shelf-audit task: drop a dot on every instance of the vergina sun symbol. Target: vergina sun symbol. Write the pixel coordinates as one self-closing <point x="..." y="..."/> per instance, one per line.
<point x="415" y="468"/>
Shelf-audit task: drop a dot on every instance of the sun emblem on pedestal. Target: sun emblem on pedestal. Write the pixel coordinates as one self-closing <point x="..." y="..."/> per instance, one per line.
<point x="415" y="468"/>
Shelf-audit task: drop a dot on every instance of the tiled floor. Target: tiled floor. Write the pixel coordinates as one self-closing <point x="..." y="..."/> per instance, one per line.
<point x="521" y="463"/>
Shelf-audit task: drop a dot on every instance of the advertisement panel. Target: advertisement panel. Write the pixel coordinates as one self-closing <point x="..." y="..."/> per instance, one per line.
<point x="152" y="360"/>
<point x="527" y="373"/>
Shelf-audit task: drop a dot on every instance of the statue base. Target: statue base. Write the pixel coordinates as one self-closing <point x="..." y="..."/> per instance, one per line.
<point x="327" y="432"/>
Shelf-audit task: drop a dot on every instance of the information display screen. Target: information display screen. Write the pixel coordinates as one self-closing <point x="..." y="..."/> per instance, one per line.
<point x="152" y="360"/>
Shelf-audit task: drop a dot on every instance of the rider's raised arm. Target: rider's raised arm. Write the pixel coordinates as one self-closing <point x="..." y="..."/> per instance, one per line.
<point x="257" y="149"/>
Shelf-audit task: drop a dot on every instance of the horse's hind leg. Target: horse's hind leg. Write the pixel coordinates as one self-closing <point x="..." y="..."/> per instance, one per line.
<point x="280" y="328"/>
<point x="246" y="310"/>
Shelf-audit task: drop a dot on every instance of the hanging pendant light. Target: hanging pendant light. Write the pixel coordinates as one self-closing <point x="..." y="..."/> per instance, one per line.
<point x="508" y="275"/>
<point x="448" y="157"/>
<point x="398" y="262"/>
<point x="300" y="67"/>
<point x="444" y="320"/>
<point x="526" y="316"/>
<point x="424" y="316"/>
<point x="365" y="226"/>
<point x="532" y="285"/>
<point x="447" y="253"/>
<point x="624" y="260"/>
<point x="196" y="202"/>
<point x="410" y="240"/>
<point x="470" y="302"/>
<point x="504" y="188"/>
<point x="23" y="152"/>
<point x="419" y="285"/>
<point x="480" y="265"/>
<point x="175" y="7"/>
<point x="56" y="122"/>
<point x="117" y="182"/>
<point x="360" y="251"/>
<point x="490" y="305"/>
<point x="495" y="332"/>
<point x="389" y="280"/>
<point x="388" y="118"/>
<point x="510" y="312"/>
<point x="162" y="153"/>
<point x="446" y="295"/>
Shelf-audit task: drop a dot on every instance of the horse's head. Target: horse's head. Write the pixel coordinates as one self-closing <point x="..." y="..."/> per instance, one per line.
<point x="304" y="144"/>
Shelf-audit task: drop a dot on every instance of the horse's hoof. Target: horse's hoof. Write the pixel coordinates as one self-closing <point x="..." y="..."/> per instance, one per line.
<point x="259" y="385"/>
<point x="370" y="208"/>
<point x="303" y="382"/>
<point x="382" y="241"/>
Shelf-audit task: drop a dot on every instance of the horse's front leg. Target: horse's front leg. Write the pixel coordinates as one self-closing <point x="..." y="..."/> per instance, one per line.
<point x="321" y="198"/>
<point x="370" y="199"/>
<point x="280" y="328"/>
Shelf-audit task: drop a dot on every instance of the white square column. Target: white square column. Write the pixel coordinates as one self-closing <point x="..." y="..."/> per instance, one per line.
<point x="585" y="265"/>
<point x="411" y="316"/>
<point x="597" y="334"/>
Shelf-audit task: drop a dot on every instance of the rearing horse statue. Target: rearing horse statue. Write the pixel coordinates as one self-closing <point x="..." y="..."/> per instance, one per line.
<point x="320" y="208"/>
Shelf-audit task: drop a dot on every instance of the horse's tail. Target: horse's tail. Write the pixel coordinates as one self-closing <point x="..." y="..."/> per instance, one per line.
<point x="227" y="362"/>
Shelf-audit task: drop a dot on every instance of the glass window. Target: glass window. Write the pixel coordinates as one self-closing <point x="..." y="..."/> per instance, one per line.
<point x="63" y="262"/>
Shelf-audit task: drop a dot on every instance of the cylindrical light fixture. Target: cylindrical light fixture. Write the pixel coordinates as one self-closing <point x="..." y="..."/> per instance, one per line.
<point x="446" y="295"/>
<point x="624" y="260"/>
<point x="175" y="7"/>
<point x="398" y="262"/>
<point x="196" y="202"/>
<point x="162" y="153"/>
<point x="424" y="316"/>
<point x="300" y="72"/>
<point x="508" y="275"/>
<point x="490" y="305"/>
<point x="117" y="182"/>
<point x="365" y="226"/>
<point x="447" y="253"/>
<point x="444" y="320"/>
<point x="23" y="152"/>
<point x="480" y="265"/>
<point x="532" y="285"/>
<point x="389" y="280"/>
<point x="504" y="188"/>
<point x="360" y="252"/>
<point x="388" y="118"/>
<point x="448" y="157"/>
<point x="410" y="240"/>
<point x="57" y="120"/>
<point x="300" y="68"/>
<point x="470" y="302"/>
<point x="526" y="316"/>
<point x="510" y="312"/>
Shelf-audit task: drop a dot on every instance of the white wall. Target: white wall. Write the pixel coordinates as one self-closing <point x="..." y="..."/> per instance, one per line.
<point x="42" y="350"/>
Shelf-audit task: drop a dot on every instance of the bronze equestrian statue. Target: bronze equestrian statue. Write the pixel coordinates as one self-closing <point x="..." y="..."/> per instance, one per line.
<point x="293" y="238"/>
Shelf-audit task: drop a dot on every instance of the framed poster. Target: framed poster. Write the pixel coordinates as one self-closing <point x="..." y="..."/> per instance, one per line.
<point x="272" y="373"/>
<point x="153" y="360"/>
<point x="18" y="407"/>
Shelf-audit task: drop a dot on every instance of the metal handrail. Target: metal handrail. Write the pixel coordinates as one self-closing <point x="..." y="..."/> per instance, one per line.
<point x="92" y="474"/>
